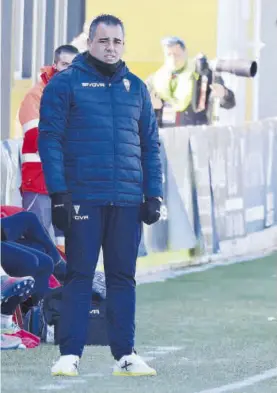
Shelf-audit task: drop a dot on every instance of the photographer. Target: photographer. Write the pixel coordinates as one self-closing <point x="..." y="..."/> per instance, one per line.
<point x="178" y="88"/>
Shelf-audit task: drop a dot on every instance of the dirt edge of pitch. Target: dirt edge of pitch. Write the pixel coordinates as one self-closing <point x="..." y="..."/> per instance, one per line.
<point x="254" y="246"/>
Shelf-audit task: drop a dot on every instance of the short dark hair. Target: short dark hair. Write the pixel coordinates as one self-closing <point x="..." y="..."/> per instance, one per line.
<point x="64" y="48"/>
<point x="171" y="41"/>
<point x="107" y="19"/>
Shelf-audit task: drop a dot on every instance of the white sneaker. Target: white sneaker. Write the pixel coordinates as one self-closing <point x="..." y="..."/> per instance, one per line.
<point x="67" y="366"/>
<point x="10" y="328"/>
<point x="132" y="366"/>
<point x="10" y="342"/>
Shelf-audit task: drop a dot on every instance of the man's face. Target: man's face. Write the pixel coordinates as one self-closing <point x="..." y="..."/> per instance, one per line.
<point x="65" y="59"/>
<point x="175" y="57"/>
<point x="108" y="43"/>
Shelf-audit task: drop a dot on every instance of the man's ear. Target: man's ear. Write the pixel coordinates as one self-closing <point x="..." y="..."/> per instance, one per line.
<point x="54" y="65"/>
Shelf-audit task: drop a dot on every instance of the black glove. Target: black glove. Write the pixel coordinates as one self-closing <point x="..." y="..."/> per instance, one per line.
<point x="61" y="204"/>
<point x="151" y="210"/>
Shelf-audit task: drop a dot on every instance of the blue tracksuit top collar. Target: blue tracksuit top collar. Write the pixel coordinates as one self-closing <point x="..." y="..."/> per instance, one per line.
<point x="81" y="63"/>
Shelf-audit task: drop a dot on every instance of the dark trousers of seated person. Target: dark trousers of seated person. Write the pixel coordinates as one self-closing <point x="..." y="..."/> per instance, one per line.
<point x="19" y="260"/>
<point x="25" y="228"/>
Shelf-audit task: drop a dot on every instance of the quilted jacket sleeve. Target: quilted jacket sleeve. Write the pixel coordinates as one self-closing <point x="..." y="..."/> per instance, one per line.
<point x="54" y="112"/>
<point x="150" y="149"/>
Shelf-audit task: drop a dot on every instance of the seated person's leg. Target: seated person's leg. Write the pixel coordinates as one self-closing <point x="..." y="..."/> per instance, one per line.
<point x="25" y="228"/>
<point x="7" y="311"/>
<point x="37" y="237"/>
<point x="12" y="227"/>
<point x="15" y="286"/>
<point x="37" y="233"/>
<point x="27" y="225"/>
<point x="43" y="272"/>
<point x="19" y="260"/>
<point x="40" y="205"/>
<point x="31" y="244"/>
<point x="13" y="292"/>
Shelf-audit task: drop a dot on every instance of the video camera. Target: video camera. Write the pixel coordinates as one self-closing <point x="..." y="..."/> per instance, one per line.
<point x="238" y="67"/>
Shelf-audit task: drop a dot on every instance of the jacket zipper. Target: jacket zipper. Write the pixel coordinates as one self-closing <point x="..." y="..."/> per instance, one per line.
<point x="110" y="85"/>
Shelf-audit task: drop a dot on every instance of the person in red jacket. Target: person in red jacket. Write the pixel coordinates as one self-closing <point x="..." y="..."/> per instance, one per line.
<point x="34" y="192"/>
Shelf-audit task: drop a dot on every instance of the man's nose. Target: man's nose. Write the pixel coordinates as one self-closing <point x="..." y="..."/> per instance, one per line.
<point x="110" y="46"/>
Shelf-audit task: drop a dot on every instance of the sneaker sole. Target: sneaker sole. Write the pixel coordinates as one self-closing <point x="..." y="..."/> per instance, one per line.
<point x="63" y="374"/>
<point x="128" y="374"/>
<point x="22" y="289"/>
<point x="10" y="348"/>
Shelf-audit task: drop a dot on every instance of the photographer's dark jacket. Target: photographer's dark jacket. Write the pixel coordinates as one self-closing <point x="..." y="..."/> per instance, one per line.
<point x="182" y="91"/>
<point x="98" y="136"/>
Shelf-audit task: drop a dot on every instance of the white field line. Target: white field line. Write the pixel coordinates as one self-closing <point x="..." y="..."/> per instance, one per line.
<point x="63" y="384"/>
<point x="159" y="351"/>
<point x="268" y="374"/>
<point x="53" y="387"/>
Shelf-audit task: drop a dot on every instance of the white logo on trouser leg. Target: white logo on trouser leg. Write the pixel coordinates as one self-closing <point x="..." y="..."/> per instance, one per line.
<point x="79" y="218"/>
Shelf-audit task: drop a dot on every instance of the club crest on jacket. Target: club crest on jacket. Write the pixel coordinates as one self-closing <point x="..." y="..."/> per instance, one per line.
<point x="127" y="84"/>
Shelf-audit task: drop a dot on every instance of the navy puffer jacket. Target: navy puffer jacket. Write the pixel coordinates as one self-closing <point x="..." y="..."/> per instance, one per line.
<point x="98" y="137"/>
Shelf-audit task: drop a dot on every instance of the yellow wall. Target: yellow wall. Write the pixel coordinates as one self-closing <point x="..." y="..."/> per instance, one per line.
<point x="147" y="21"/>
<point x="18" y="91"/>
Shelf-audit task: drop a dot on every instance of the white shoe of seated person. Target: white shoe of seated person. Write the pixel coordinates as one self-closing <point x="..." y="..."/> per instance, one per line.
<point x="132" y="366"/>
<point x="66" y="366"/>
<point x="8" y="326"/>
<point x="10" y="342"/>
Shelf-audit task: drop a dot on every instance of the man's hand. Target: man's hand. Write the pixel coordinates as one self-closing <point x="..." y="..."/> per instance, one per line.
<point x="151" y="210"/>
<point x="218" y="90"/>
<point x="61" y="204"/>
<point x="156" y="101"/>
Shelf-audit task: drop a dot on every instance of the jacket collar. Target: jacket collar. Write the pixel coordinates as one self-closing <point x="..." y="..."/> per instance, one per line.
<point x="47" y="72"/>
<point x="80" y="62"/>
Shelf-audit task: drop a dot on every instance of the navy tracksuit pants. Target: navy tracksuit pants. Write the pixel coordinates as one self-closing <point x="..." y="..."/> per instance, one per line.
<point x="118" y="231"/>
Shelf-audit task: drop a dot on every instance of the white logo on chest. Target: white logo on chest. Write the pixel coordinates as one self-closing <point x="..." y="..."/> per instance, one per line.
<point x="93" y="84"/>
